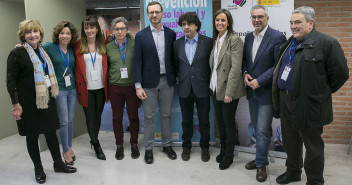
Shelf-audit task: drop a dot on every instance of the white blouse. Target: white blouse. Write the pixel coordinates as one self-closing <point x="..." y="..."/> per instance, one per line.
<point x="94" y="74"/>
<point x="214" y="77"/>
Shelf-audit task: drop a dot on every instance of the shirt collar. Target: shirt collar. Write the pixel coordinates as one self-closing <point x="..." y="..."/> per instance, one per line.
<point x="223" y="37"/>
<point x="123" y="44"/>
<point x="156" y="30"/>
<point x="194" y="38"/>
<point x="262" y="33"/>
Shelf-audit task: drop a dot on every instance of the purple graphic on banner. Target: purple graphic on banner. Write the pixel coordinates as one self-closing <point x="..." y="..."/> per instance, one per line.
<point x="239" y="2"/>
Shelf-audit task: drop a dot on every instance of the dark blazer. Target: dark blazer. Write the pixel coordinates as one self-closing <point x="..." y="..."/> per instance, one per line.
<point x="146" y="65"/>
<point x="263" y="66"/>
<point x="197" y="74"/>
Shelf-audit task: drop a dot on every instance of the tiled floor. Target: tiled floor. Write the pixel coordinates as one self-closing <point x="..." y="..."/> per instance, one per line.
<point x="16" y="167"/>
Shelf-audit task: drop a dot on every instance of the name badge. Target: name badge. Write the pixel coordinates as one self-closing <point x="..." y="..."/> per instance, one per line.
<point x="67" y="80"/>
<point x="286" y="72"/>
<point x="47" y="81"/>
<point x="124" y="73"/>
<point x="94" y="75"/>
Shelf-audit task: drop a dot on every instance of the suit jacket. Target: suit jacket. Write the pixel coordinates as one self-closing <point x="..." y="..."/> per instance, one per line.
<point x="146" y="65"/>
<point x="81" y="78"/>
<point x="197" y="74"/>
<point x="262" y="66"/>
<point x="228" y="69"/>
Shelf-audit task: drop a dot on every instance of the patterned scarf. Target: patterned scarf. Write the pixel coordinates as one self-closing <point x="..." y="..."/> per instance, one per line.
<point x="41" y="90"/>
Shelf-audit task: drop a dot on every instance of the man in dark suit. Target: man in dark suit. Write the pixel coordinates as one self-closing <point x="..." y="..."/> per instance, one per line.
<point x="154" y="78"/>
<point x="259" y="53"/>
<point x="192" y="53"/>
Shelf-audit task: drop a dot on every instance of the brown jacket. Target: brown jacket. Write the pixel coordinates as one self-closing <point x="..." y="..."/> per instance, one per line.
<point x="228" y="69"/>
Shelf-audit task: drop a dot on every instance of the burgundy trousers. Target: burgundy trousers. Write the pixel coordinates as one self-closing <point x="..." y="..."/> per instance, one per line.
<point x="119" y="95"/>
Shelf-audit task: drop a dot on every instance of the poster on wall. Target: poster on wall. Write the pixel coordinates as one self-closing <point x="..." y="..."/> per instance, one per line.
<point x="279" y="14"/>
<point x="279" y="18"/>
<point x="172" y="10"/>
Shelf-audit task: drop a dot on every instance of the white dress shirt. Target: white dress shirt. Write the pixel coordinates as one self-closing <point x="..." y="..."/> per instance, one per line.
<point x="257" y="41"/>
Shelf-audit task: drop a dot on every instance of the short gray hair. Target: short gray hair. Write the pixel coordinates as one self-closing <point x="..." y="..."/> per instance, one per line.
<point x="117" y="20"/>
<point x="260" y="7"/>
<point x="307" y="11"/>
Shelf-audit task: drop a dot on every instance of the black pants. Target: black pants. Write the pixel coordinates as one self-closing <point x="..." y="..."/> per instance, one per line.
<point x="187" y="107"/>
<point x="225" y="114"/>
<point x="293" y="143"/>
<point x="33" y="146"/>
<point x="96" y="101"/>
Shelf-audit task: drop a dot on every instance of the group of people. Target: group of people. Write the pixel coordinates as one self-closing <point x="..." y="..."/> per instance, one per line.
<point x="291" y="79"/>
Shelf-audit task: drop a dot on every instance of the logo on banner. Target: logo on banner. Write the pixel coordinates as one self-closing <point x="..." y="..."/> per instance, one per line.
<point x="239" y="2"/>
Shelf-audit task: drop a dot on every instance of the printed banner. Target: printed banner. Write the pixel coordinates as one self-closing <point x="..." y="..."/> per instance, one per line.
<point x="173" y="9"/>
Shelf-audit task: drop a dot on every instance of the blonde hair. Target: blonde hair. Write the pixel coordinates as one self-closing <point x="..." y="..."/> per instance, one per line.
<point x="29" y="25"/>
<point x="99" y="40"/>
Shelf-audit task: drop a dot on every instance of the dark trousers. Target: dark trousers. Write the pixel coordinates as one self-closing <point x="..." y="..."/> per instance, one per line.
<point x="187" y="107"/>
<point x="96" y="101"/>
<point x="118" y="96"/>
<point x="294" y="140"/>
<point x="225" y="114"/>
<point x="33" y="146"/>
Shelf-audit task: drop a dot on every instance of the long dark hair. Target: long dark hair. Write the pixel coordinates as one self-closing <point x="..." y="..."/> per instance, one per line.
<point x="229" y="20"/>
<point x="99" y="40"/>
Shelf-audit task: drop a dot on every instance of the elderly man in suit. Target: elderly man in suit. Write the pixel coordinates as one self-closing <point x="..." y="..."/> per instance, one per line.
<point x="192" y="53"/>
<point x="259" y="53"/>
<point x="154" y="78"/>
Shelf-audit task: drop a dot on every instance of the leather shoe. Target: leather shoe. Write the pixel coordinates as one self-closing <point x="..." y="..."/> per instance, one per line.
<point x="170" y="152"/>
<point x="119" y="153"/>
<point x="205" y="155"/>
<point x="148" y="157"/>
<point x="60" y="166"/>
<point x="251" y="165"/>
<point x="134" y="151"/>
<point x="261" y="174"/>
<point x="40" y="176"/>
<point x="286" y="178"/>
<point x="186" y="154"/>
<point x="226" y="162"/>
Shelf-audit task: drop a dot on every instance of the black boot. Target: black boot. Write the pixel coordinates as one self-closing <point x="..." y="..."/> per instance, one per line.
<point x="40" y="176"/>
<point x="60" y="166"/>
<point x="228" y="158"/>
<point x="221" y="156"/>
<point x="98" y="151"/>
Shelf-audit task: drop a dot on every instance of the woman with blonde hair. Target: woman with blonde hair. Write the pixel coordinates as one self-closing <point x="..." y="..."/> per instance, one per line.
<point x="92" y="78"/>
<point x="32" y="85"/>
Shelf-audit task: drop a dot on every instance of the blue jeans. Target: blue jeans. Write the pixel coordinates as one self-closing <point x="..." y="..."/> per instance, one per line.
<point x="66" y="104"/>
<point x="261" y="118"/>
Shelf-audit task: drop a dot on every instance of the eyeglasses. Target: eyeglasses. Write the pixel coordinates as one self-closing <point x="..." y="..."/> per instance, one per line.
<point x="154" y="12"/>
<point x="120" y="29"/>
<point x="259" y="17"/>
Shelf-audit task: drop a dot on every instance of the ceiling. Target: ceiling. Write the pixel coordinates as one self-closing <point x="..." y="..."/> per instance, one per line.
<point x="111" y="7"/>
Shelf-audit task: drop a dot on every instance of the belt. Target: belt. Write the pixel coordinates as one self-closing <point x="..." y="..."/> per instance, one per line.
<point x="162" y="74"/>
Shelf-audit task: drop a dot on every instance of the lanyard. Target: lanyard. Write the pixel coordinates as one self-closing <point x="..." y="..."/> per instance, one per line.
<point x="293" y="53"/>
<point x="95" y="57"/>
<point x="68" y="58"/>
<point x="122" y="56"/>
<point x="44" y="65"/>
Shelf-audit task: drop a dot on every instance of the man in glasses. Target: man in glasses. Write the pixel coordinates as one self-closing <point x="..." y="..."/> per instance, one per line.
<point x="259" y="53"/>
<point x="154" y="78"/>
<point x="121" y="86"/>
<point x="311" y="66"/>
